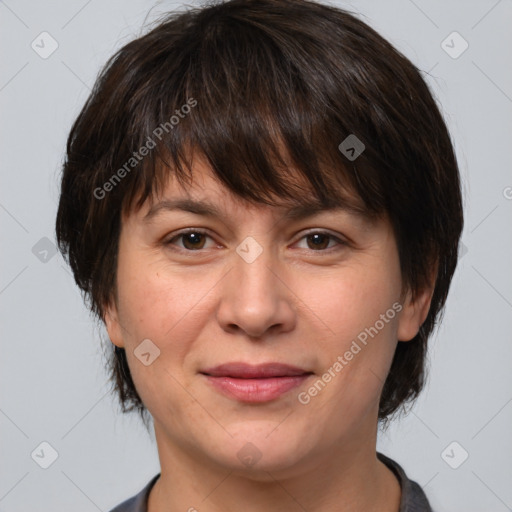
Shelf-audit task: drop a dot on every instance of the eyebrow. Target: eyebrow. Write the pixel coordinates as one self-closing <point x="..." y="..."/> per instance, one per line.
<point x="207" y="209"/>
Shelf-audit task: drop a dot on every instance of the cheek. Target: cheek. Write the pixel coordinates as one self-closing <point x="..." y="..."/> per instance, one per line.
<point x="170" y="308"/>
<point x="360" y="310"/>
<point x="171" y="311"/>
<point x="355" y="300"/>
<point x="156" y="302"/>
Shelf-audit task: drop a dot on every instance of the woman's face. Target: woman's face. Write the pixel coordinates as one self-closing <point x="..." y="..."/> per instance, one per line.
<point x="255" y="286"/>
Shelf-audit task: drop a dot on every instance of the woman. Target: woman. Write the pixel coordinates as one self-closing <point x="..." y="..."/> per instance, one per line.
<point x="261" y="202"/>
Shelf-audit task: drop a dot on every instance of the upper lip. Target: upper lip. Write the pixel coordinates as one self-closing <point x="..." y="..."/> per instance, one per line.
<point x="247" y="371"/>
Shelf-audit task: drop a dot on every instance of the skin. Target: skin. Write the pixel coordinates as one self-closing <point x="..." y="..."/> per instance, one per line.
<point x="296" y="304"/>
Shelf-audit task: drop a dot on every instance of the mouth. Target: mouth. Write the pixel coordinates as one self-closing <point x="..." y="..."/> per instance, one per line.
<point x="255" y="383"/>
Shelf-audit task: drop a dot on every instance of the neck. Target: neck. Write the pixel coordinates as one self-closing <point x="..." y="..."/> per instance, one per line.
<point x="349" y="477"/>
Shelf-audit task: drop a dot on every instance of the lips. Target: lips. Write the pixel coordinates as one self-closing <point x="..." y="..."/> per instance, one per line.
<point x="261" y="371"/>
<point x="254" y="384"/>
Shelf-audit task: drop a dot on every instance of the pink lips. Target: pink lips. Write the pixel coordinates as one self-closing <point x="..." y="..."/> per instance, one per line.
<point x="260" y="383"/>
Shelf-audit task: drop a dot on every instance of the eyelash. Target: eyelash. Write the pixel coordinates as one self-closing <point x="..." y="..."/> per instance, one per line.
<point x="175" y="236"/>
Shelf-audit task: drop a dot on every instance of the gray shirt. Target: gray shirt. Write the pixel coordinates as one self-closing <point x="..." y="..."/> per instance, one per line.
<point x="413" y="498"/>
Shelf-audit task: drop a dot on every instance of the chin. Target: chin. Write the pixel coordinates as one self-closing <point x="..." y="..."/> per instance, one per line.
<point x="259" y="447"/>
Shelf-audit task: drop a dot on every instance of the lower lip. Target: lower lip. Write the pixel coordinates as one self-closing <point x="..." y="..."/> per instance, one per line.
<point x="256" y="390"/>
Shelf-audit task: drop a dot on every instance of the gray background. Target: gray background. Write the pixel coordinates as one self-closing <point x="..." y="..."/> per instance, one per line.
<point x="53" y="386"/>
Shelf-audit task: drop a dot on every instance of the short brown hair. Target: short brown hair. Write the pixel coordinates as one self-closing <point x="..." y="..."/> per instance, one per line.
<point x="271" y="86"/>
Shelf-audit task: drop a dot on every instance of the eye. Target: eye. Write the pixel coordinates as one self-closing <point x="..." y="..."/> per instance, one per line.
<point x="195" y="239"/>
<point x="192" y="239"/>
<point x="319" y="241"/>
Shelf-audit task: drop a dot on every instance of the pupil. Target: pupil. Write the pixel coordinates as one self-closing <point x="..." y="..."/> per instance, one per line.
<point x="192" y="238"/>
<point x="319" y="240"/>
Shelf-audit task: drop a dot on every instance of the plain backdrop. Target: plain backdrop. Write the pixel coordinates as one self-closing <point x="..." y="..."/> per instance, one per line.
<point x="53" y="384"/>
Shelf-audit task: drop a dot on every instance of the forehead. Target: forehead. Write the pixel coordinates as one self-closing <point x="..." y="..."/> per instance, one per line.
<point x="206" y="195"/>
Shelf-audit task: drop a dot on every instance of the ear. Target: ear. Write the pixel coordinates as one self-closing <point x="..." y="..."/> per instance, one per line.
<point x="111" y="319"/>
<point x="414" y="313"/>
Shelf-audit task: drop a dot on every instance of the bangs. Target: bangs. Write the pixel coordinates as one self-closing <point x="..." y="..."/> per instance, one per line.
<point x="257" y="116"/>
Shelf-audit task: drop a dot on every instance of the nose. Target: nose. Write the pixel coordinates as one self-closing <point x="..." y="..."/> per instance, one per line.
<point x="255" y="299"/>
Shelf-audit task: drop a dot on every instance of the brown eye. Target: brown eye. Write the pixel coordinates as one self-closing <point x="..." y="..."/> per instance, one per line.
<point x="318" y="241"/>
<point x="191" y="240"/>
